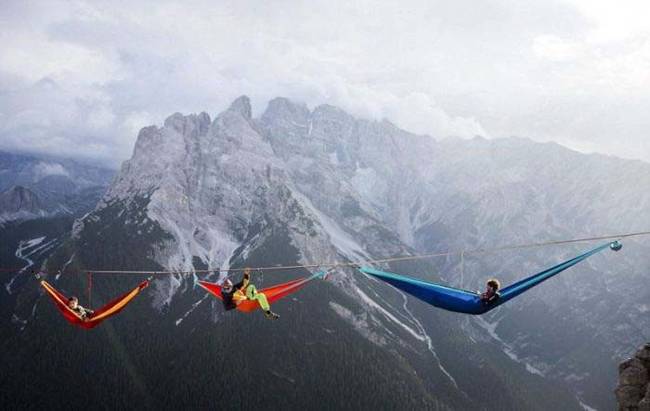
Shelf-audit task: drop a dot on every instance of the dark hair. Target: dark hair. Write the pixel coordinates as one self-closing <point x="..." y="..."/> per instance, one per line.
<point x="494" y="283"/>
<point x="73" y="298"/>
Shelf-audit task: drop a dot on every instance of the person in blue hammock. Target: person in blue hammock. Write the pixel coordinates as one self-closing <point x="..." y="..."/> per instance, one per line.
<point x="491" y="293"/>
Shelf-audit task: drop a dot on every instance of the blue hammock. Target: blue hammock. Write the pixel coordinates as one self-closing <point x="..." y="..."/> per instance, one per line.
<point x="468" y="302"/>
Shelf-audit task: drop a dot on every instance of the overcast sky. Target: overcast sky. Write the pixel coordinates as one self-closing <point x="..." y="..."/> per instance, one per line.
<point x="80" y="79"/>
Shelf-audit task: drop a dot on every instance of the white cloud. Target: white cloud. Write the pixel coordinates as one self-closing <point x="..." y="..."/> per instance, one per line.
<point x="50" y="169"/>
<point x="571" y="71"/>
<point x="555" y="48"/>
<point x="614" y="21"/>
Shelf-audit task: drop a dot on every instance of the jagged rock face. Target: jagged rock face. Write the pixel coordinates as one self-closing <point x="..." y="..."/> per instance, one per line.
<point x="459" y="195"/>
<point x="206" y="181"/>
<point x="212" y="185"/>
<point x="18" y="199"/>
<point x="633" y="391"/>
<point x="19" y="203"/>
<point x="294" y="186"/>
<point x="350" y="189"/>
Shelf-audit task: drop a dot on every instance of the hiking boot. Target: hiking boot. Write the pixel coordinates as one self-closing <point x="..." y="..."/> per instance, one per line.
<point x="271" y="315"/>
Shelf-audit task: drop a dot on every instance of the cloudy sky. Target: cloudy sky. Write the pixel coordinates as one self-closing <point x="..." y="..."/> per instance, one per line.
<point x="80" y="78"/>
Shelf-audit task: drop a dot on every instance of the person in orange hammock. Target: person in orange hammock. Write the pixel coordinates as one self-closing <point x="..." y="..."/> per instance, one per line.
<point x="244" y="290"/>
<point x="491" y="293"/>
<point x="81" y="312"/>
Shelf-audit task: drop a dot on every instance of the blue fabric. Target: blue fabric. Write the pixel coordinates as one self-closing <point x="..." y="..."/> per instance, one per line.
<point x="468" y="302"/>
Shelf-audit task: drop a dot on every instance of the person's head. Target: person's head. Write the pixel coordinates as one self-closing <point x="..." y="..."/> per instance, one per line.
<point x="494" y="284"/>
<point x="73" y="302"/>
<point x="247" y="273"/>
<point x="227" y="285"/>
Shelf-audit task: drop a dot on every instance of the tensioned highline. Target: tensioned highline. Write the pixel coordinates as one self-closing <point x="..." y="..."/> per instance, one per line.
<point x="383" y="260"/>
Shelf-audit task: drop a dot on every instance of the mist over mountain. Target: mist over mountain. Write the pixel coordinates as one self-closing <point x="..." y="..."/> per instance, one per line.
<point x="37" y="186"/>
<point x="298" y="186"/>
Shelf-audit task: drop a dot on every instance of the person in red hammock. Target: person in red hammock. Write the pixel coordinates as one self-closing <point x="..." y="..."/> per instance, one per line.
<point x="491" y="293"/>
<point x="81" y="312"/>
<point x="234" y="294"/>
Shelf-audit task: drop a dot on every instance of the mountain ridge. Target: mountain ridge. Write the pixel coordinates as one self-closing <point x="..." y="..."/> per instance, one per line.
<point x="340" y="173"/>
<point x="297" y="186"/>
<point x="61" y="186"/>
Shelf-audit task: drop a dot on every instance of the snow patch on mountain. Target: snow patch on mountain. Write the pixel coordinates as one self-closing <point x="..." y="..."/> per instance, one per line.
<point x="427" y="339"/>
<point x="196" y="304"/>
<point x="490" y="328"/>
<point x="370" y="186"/>
<point x="372" y="304"/>
<point x="21" y="253"/>
<point x="65" y="265"/>
<point x="586" y="407"/>
<point x="340" y="239"/>
<point x="44" y="169"/>
<point x="359" y="322"/>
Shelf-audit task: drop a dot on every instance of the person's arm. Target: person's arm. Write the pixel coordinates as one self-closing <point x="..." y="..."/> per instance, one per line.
<point x="84" y="312"/>
<point x="79" y="312"/>
<point x="238" y="296"/>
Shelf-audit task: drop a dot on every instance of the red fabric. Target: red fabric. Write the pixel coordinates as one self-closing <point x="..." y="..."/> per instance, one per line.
<point x="273" y="294"/>
<point x="61" y="300"/>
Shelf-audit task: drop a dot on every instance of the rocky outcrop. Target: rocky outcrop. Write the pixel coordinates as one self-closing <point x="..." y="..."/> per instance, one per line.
<point x="20" y="203"/>
<point x="633" y="391"/>
<point x="19" y="198"/>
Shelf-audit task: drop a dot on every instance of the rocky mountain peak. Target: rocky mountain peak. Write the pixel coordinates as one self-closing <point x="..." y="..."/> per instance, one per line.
<point x="204" y="119"/>
<point x="330" y="110"/>
<point x="146" y="138"/>
<point x="20" y="203"/>
<point x="633" y="391"/>
<point x="175" y="121"/>
<point x="242" y="105"/>
<point x="281" y="109"/>
<point x="192" y="124"/>
<point x="19" y="198"/>
<point x="300" y="187"/>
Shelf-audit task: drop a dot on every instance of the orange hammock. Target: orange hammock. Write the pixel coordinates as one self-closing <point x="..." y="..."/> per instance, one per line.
<point x="272" y="293"/>
<point x="110" y="309"/>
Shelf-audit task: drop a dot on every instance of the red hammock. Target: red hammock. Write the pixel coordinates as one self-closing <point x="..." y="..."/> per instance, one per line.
<point x="110" y="309"/>
<point x="272" y="293"/>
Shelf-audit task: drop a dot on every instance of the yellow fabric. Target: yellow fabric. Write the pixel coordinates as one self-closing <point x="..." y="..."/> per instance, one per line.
<point x="49" y="288"/>
<point x="239" y="296"/>
<point x="118" y="306"/>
